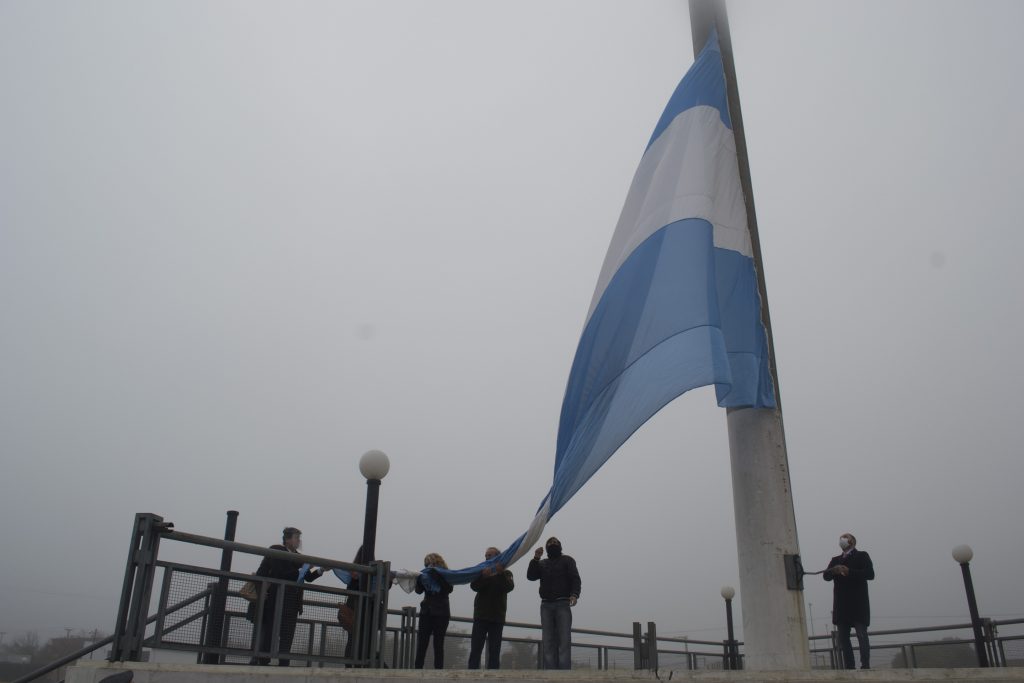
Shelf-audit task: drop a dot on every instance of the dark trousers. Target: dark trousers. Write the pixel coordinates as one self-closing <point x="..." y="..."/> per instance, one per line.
<point x="431" y="625"/>
<point x="843" y="633"/>
<point x="491" y="632"/>
<point x="288" y="622"/>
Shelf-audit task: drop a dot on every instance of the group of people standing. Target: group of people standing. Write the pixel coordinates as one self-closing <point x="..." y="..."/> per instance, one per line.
<point x="559" y="590"/>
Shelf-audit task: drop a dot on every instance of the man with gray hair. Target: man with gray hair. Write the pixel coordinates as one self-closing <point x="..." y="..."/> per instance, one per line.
<point x="492" y="588"/>
<point x="850" y="572"/>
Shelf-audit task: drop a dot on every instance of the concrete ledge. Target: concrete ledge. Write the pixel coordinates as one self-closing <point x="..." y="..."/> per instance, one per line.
<point x="850" y="676"/>
<point x="94" y="672"/>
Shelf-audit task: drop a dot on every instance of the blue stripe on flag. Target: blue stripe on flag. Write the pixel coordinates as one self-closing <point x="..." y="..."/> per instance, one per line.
<point x="739" y="304"/>
<point x="678" y="314"/>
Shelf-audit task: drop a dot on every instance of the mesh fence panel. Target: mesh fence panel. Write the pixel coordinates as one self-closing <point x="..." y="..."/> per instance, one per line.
<point x="520" y="656"/>
<point x="317" y="631"/>
<point x="191" y="592"/>
<point x="944" y="656"/>
<point x="1013" y="650"/>
<point x="237" y="630"/>
<point x="620" y="659"/>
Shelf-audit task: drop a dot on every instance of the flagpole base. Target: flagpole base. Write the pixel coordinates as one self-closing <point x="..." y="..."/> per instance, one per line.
<point x="774" y="628"/>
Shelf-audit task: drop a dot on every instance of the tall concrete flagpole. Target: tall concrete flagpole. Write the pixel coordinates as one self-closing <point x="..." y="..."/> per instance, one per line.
<point x="774" y="629"/>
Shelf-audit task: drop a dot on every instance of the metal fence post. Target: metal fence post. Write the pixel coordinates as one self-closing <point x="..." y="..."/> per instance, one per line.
<point x="204" y="623"/>
<point x="638" y="650"/>
<point x="258" y="626"/>
<point x="275" y="633"/>
<point x="652" y="646"/>
<point x="989" y="630"/>
<point x="130" y="625"/>
<point x="215" y="624"/>
<point x="379" y="595"/>
<point x="408" y="632"/>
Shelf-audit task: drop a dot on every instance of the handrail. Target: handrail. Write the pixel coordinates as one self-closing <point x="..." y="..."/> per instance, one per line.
<point x="66" y="659"/>
<point x="237" y="576"/>
<point x="196" y="539"/>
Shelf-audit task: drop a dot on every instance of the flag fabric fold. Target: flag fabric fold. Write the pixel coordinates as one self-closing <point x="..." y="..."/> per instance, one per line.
<point x="676" y="305"/>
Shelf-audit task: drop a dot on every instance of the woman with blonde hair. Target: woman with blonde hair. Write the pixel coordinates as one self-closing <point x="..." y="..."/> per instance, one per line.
<point x="435" y="612"/>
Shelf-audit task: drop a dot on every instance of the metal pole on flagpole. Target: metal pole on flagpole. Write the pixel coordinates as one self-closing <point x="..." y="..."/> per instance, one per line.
<point x="774" y="626"/>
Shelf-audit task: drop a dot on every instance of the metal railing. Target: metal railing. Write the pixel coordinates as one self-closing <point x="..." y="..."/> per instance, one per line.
<point x="201" y="610"/>
<point x="643" y="648"/>
<point x="891" y="648"/>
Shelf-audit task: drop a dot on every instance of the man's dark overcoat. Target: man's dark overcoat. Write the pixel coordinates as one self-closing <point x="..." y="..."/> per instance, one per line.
<point x="289" y="571"/>
<point x="850" y="593"/>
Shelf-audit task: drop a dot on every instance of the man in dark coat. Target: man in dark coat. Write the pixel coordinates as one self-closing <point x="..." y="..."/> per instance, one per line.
<point x="291" y="607"/>
<point x="559" y="591"/>
<point x="492" y="588"/>
<point x="850" y="573"/>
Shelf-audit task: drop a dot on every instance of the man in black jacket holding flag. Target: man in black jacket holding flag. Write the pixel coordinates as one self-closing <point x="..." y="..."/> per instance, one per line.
<point x="559" y="591"/>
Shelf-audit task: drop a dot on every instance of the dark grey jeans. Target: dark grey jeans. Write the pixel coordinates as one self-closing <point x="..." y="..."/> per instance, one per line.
<point x="843" y="632"/>
<point x="556" y="633"/>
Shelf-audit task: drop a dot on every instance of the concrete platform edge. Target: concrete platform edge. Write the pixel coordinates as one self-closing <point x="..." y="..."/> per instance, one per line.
<point x="94" y="672"/>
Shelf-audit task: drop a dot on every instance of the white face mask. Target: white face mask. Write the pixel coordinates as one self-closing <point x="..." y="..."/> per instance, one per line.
<point x="844" y="543"/>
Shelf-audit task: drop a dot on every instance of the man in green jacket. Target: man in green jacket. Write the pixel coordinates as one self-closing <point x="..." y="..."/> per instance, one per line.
<point x="492" y="588"/>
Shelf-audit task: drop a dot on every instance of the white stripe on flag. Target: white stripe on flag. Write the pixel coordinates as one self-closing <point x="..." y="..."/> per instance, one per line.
<point x="690" y="171"/>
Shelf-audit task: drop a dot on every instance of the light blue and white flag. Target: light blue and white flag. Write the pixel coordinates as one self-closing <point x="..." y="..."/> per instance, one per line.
<point x="676" y="305"/>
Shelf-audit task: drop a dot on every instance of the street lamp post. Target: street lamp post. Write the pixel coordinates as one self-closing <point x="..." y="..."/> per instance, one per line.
<point x="374" y="465"/>
<point x="963" y="555"/>
<point x="731" y="658"/>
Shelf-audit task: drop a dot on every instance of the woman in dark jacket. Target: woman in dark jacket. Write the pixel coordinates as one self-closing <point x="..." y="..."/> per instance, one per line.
<point x="291" y="607"/>
<point x="435" y="612"/>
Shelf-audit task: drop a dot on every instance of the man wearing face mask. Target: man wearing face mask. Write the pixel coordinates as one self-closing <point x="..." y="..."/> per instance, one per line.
<point x="559" y="591"/>
<point x="850" y="573"/>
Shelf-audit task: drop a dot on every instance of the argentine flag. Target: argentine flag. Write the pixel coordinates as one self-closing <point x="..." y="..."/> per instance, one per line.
<point x="676" y="305"/>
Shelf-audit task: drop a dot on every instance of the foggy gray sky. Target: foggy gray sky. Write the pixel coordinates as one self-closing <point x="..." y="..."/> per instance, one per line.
<point x="241" y="243"/>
